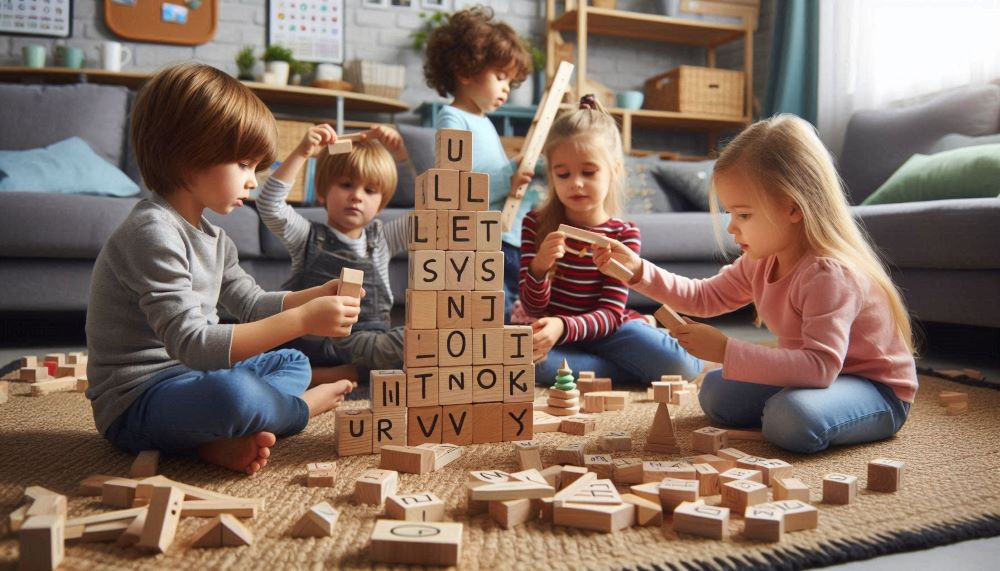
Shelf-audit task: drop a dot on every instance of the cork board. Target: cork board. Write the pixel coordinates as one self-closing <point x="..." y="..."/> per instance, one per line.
<point x="142" y="20"/>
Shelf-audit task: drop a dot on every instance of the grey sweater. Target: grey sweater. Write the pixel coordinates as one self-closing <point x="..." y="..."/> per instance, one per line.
<point x="153" y="298"/>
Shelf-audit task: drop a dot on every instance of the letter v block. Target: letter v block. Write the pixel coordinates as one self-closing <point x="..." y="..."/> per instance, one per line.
<point x="424" y="424"/>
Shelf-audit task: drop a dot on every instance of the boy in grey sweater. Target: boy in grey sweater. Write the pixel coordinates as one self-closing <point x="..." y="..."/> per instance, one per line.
<point x="164" y="373"/>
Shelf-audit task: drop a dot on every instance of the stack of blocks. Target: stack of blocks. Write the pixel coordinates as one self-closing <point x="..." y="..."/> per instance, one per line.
<point x="468" y="378"/>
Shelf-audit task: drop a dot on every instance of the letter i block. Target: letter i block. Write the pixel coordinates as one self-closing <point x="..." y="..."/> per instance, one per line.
<point x="517" y="345"/>
<point x="455" y="385"/>
<point x="455" y="347"/>
<point x="420" y="347"/>
<point x="474" y="191"/>
<point x="518" y="383"/>
<point x="488" y="231"/>
<point x="388" y="427"/>
<point x="453" y="149"/>
<point x="422" y="230"/>
<point x="518" y="421"/>
<point x="427" y="269"/>
<point x="487" y="309"/>
<point x="353" y="432"/>
<point x="422" y="386"/>
<point x="388" y="389"/>
<point x="421" y="309"/>
<point x="462" y="230"/>
<point x="487" y="347"/>
<point x="489" y="271"/>
<point x="423" y="424"/>
<point x="460" y="270"/>
<point x="441" y="189"/>
<point x="457" y="424"/>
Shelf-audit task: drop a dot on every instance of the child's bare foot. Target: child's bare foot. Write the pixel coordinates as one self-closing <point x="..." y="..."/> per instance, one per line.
<point x="244" y="454"/>
<point x="321" y="375"/>
<point x="322" y="398"/>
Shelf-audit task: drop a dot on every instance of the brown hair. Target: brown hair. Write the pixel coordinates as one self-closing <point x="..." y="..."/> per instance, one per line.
<point x="470" y="43"/>
<point x="368" y="161"/>
<point x="191" y="117"/>
<point x="590" y="128"/>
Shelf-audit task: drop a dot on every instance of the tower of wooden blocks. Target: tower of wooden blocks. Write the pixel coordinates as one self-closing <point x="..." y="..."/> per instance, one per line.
<point x="661" y="436"/>
<point x="467" y="377"/>
<point x="564" y="398"/>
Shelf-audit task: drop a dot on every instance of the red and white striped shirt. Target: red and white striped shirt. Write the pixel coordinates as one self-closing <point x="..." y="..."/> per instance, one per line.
<point x="590" y="304"/>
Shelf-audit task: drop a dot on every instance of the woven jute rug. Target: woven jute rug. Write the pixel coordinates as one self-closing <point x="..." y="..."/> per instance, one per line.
<point x="950" y="493"/>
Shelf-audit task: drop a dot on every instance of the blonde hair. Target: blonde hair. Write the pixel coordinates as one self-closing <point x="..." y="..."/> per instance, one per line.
<point x="191" y="117"/>
<point x="589" y="130"/>
<point x="368" y="162"/>
<point x="786" y="159"/>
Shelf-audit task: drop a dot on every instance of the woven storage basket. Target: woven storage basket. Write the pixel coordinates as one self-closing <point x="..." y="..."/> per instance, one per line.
<point x="692" y="89"/>
<point x="374" y="78"/>
<point x="290" y="134"/>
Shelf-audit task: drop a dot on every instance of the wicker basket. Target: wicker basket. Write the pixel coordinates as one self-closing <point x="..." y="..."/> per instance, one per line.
<point x="374" y="78"/>
<point x="691" y="89"/>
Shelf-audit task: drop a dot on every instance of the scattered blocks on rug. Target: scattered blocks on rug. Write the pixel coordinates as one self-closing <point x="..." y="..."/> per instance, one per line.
<point x="696" y="518"/>
<point x="763" y="523"/>
<point x="790" y="489"/>
<point x="416" y="543"/>
<point x="421" y="506"/>
<point x="321" y="474"/>
<point x="839" y="488"/>
<point x="885" y="474"/>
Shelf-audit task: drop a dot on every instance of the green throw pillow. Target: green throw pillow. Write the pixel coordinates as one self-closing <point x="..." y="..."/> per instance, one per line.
<point x="971" y="172"/>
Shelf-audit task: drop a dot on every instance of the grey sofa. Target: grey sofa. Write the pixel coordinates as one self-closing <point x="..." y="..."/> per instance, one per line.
<point x="945" y="253"/>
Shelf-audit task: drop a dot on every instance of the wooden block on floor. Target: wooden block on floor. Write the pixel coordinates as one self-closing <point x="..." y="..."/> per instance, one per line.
<point x="595" y="517"/>
<point x="460" y="270"/>
<point x="739" y="494"/>
<point x="754" y="435"/>
<point x="388" y="389"/>
<point x="790" y="489"/>
<point x="487" y="422"/>
<point x="668" y="318"/>
<point x="455" y="385"/>
<point x="133" y="532"/>
<point x="453" y="149"/>
<point x="99" y="532"/>
<point x="763" y="523"/>
<point x="417" y="543"/>
<point x="600" y="464"/>
<point x="420" y="349"/>
<point x="627" y="470"/>
<point x="57" y="358"/>
<point x="444" y="454"/>
<point x="4" y="391"/>
<point x="569" y="474"/>
<point x="647" y="513"/>
<point x="701" y="520"/>
<point x="673" y="492"/>
<point x="510" y="490"/>
<point x="649" y="491"/>
<point x="455" y="348"/>
<point x="545" y="422"/>
<point x="615" y="442"/>
<point x="29" y="361"/>
<point x="375" y="485"/>
<point x="423" y="425"/>
<point x="571" y="453"/>
<point x="518" y="383"/>
<point x="41" y="539"/>
<point x="592" y="384"/>
<point x="353" y="432"/>
<point x="421" y="230"/>
<point x="237" y="507"/>
<point x="48" y="504"/>
<point x="489" y="270"/>
<point x="68" y="370"/>
<point x="319" y="521"/>
<point x="408" y="459"/>
<point x="518" y="419"/>
<point x="956" y="408"/>
<point x="222" y="531"/>
<point x="422" y="386"/>
<point x="709" y="440"/>
<point x="321" y="474"/>
<point x="720" y="464"/>
<point x="488" y="380"/>
<point x="474" y="191"/>
<point x="885" y="474"/>
<point x="774" y="469"/>
<point x="421" y="309"/>
<point x="731" y="454"/>
<point x="592" y="403"/>
<point x="654" y="470"/>
<point x="118" y="492"/>
<point x="839" y="488"/>
<point x="487" y="350"/>
<point x="426" y="269"/>
<point x="351" y="281"/>
<point x="798" y="515"/>
<point x="162" y="519"/>
<point x="517" y="345"/>
<point x="578" y="426"/>
<point x="613" y="400"/>
<point x="477" y="478"/>
<point x="734" y="474"/>
<point x="91" y="485"/>
<point x="708" y="480"/>
<point x="680" y="470"/>
<point x="553" y="475"/>
<point x="528" y="454"/>
<point x="145" y="464"/>
<point x="420" y="506"/>
<point x="457" y="424"/>
<point x="512" y="513"/>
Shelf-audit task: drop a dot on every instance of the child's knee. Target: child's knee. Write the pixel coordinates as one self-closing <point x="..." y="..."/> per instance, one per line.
<point x="237" y="394"/>
<point x="712" y="397"/>
<point x="790" y="422"/>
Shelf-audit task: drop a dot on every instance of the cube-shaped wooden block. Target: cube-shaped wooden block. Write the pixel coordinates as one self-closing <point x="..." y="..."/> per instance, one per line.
<point x="487" y="347"/>
<point x="421" y="309"/>
<point x="739" y="494"/>
<point x="798" y="515"/>
<point x="708" y="440"/>
<point x="600" y="464"/>
<point x="422" y="386"/>
<point x="487" y="309"/>
<point x="790" y="489"/>
<point x="420" y="347"/>
<point x="885" y="474"/>
<point x="708" y="480"/>
<point x="460" y="270"/>
<point x="775" y="469"/>
<point x="457" y="424"/>
<point x="423" y="424"/>
<point x="615" y="442"/>
<point x="454" y="347"/>
<point x="518" y="421"/>
<point x="517" y="345"/>
<point x="763" y="523"/>
<point x="375" y="485"/>
<point x="440" y="189"/>
<point x="422" y="230"/>
<point x="416" y="543"/>
<point x="699" y="519"/>
<point x="489" y="271"/>
<point x="442" y="230"/>
<point x="321" y="474"/>
<point x="673" y="492"/>
<point x="487" y="382"/>
<point x="462" y="231"/>
<point x="388" y="427"/>
<point x="733" y="474"/>
<point x="680" y="470"/>
<point x="474" y="191"/>
<point x="453" y="149"/>
<point x="839" y="488"/>
<point x="455" y="385"/>
<point x="579" y="426"/>
<point x="353" y="432"/>
<point x="42" y="541"/>
<point x="487" y="422"/>
<point x="426" y="270"/>
<point x="571" y="453"/>
<point x="488" y="231"/>
<point x="388" y="389"/>
<point x="627" y="471"/>
<point x="454" y="309"/>
<point x="422" y="506"/>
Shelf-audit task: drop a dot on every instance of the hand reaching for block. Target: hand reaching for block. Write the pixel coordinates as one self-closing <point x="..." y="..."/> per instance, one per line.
<point x="617" y="260"/>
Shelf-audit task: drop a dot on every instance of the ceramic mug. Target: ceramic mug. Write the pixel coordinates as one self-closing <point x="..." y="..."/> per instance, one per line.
<point x="629" y="99"/>
<point x="34" y="55"/>
<point x="114" y="55"/>
<point x="70" y="57"/>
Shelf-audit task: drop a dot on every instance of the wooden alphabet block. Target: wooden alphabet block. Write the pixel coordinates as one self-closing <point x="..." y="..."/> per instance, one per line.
<point x="351" y="281"/>
<point x="654" y="470"/>
<point x="235" y="507"/>
<point x="668" y="318"/>
<point x="699" y="519"/>
<point x="774" y="469"/>
<point x="487" y="310"/>
<point x="422" y="506"/>
<point x="595" y="517"/>
<point x="578" y="426"/>
<point x="720" y="464"/>
<point x="388" y="389"/>
<point x="569" y="474"/>
<point x="648" y="491"/>
<point x="455" y="385"/>
<point x="709" y="439"/>
<point x="162" y="518"/>
<point x="441" y="189"/>
<point x="754" y="435"/>
<point x="57" y="358"/>
<point x="423" y="424"/>
<point x="462" y="230"/>
<point x="457" y="424"/>
<point x="474" y="191"/>
<point x="798" y="515"/>
<point x="600" y="464"/>
<point x="739" y="494"/>
<point x="946" y="398"/>
<point x="510" y="490"/>
<point x="519" y="383"/>
<point x="444" y="453"/>
<point x="422" y="385"/>
<point x="375" y="485"/>
<point x="48" y="504"/>
<point x="408" y="459"/>
<point x="647" y="513"/>
<point x="321" y="474"/>
<point x="487" y="349"/>
<point x="661" y="392"/>
<point x="790" y="489"/>
<point x="763" y="523"/>
<point x="592" y="403"/>
<point x="839" y="488"/>
<point x="417" y="543"/>
<point x="442" y="230"/>
<point x="733" y="474"/>
<point x="571" y="453"/>
<point x="615" y="442"/>
<point x="528" y="455"/>
<point x="680" y="470"/>
<point x="489" y="271"/>
<point x="460" y="270"/>
<point x="488" y="231"/>
<point x="590" y="491"/>
<point x="420" y="347"/>
<point x="481" y="477"/>
<point x="731" y="454"/>
<point x="708" y="480"/>
<point x="674" y="491"/>
<point x="99" y="532"/>
<point x="319" y="521"/>
<point x="145" y="464"/>
<point x="42" y="539"/>
<point x="421" y="309"/>
<point x="353" y="432"/>
<point x="518" y="420"/>
<point x="388" y="427"/>
<point x="885" y="474"/>
<point x="545" y="422"/>
<point x="627" y="471"/>
<point x="487" y="422"/>
<point x="956" y="408"/>
<point x="454" y="309"/>
<point x="422" y="231"/>
<point x="454" y="347"/>
<point x="426" y="269"/>
<point x="453" y="149"/>
<point x="488" y="380"/>
<point x="513" y="513"/>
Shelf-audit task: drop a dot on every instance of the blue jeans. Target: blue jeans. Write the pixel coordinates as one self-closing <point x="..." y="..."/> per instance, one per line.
<point x="511" y="277"/>
<point x="637" y="353"/>
<point x="850" y="411"/>
<point x="180" y="412"/>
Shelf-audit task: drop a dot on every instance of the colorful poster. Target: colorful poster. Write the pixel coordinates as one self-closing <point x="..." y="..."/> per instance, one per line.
<point x="52" y="18"/>
<point x="313" y="29"/>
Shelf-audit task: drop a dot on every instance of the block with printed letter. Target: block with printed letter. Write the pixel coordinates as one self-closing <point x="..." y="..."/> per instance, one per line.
<point x="462" y="230"/>
<point x="454" y="347"/>
<point x="474" y="191"/>
<point x="353" y="432"/>
<point x="422" y="386"/>
<point x="423" y="424"/>
<point x="518" y="419"/>
<point x="487" y="383"/>
<point x="489" y="271"/>
<point x="422" y="231"/>
<point x="519" y="383"/>
<point x="388" y="389"/>
<point x="517" y="345"/>
<point x="453" y="149"/>
<point x="487" y="309"/>
<point x="487" y="347"/>
<point x="455" y="385"/>
<point x="488" y="231"/>
<point x="440" y="189"/>
<point x="460" y="270"/>
<point x="427" y="270"/>
<point x="456" y="427"/>
<point x="388" y="427"/>
<point x="420" y="348"/>
<point x="454" y="309"/>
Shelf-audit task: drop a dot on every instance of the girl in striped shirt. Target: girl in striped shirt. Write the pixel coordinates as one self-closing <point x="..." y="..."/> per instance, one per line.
<point x="582" y="314"/>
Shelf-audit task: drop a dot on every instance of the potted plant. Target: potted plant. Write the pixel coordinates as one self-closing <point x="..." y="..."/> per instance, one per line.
<point x="299" y="71"/>
<point x="245" y="62"/>
<point x="538" y="67"/>
<point x="278" y="61"/>
<point x="419" y="37"/>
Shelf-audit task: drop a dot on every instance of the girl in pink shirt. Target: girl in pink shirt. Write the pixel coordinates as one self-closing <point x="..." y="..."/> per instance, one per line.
<point x="843" y="371"/>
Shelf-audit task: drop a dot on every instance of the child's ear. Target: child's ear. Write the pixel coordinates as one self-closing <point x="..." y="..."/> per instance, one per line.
<point x="794" y="213"/>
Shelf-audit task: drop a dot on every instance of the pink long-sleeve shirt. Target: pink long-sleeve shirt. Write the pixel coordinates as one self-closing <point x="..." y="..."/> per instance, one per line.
<point x="828" y="319"/>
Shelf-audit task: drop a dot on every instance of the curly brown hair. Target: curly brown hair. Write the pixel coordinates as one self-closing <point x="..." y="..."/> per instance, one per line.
<point x="470" y="43"/>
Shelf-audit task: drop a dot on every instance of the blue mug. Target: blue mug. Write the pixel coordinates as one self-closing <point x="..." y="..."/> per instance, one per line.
<point x="629" y="99"/>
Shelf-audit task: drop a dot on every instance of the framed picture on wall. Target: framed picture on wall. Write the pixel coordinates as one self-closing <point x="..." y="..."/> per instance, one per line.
<point x="313" y="30"/>
<point x="49" y="18"/>
<point x="436" y="5"/>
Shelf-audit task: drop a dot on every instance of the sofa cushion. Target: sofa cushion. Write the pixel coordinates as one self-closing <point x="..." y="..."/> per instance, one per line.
<point x="682" y="236"/>
<point x="972" y="172"/>
<point x="957" y="234"/>
<point x="419" y="142"/>
<point x="643" y="193"/>
<point x="66" y="167"/>
<point x="38" y="115"/>
<point x="879" y="141"/>
<point x="690" y="181"/>
<point x="955" y="141"/>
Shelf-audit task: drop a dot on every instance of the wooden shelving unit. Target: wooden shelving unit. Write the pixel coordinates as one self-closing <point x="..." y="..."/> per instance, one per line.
<point x="584" y="20"/>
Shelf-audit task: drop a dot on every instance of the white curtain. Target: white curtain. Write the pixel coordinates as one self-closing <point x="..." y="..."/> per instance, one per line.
<point x="878" y="53"/>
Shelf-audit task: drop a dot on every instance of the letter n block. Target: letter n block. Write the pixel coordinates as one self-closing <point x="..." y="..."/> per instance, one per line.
<point x="423" y="424"/>
<point x="353" y="432"/>
<point x="455" y="385"/>
<point x="518" y="421"/>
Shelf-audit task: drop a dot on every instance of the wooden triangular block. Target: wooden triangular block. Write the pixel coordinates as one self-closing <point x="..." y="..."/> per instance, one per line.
<point x="222" y="531"/>
<point x="662" y="431"/>
<point x="317" y="522"/>
<point x="209" y="535"/>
